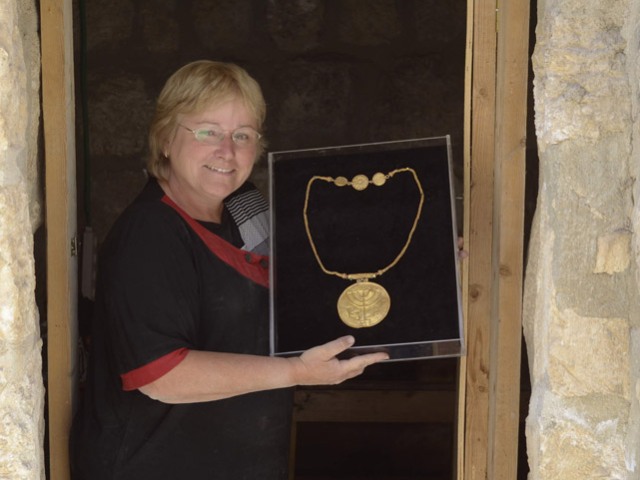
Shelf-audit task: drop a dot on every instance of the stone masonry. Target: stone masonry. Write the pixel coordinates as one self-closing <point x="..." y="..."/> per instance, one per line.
<point x="581" y="300"/>
<point x="21" y="384"/>
<point x="333" y="75"/>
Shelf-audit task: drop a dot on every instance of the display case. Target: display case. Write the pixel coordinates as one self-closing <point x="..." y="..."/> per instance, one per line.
<point x="364" y="242"/>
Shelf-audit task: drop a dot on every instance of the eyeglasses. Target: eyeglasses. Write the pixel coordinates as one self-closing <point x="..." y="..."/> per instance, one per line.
<point x="214" y="135"/>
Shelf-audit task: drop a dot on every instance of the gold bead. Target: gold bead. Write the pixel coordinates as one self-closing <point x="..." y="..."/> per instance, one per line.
<point x="341" y="181"/>
<point x="360" y="182"/>
<point x="379" y="179"/>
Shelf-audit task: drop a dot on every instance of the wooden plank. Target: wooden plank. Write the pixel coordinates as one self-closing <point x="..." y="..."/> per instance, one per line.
<point x="60" y="187"/>
<point x="408" y="406"/>
<point x="511" y="120"/>
<point x="480" y="240"/>
<point x="462" y="364"/>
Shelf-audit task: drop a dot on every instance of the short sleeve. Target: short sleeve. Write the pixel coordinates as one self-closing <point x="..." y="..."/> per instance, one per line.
<point x="149" y="289"/>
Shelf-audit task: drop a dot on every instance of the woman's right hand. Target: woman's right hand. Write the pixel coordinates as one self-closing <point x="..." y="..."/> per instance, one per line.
<point x="320" y="365"/>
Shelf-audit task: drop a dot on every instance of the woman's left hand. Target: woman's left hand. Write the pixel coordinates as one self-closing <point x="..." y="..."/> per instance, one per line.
<point x="320" y="365"/>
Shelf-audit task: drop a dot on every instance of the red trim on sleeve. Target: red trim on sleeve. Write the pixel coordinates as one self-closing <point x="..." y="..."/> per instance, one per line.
<point x="152" y="371"/>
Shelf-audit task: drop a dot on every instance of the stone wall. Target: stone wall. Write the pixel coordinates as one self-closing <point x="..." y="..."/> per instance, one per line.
<point x="21" y="385"/>
<point x="333" y="72"/>
<point x="581" y="300"/>
<point x="356" y="71"/>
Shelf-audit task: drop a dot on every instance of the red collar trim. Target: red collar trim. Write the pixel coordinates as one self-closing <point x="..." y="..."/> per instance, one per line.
<point x="250" y="265"/>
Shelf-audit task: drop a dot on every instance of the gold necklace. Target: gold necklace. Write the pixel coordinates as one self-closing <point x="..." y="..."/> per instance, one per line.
<point x="365" y="303"/>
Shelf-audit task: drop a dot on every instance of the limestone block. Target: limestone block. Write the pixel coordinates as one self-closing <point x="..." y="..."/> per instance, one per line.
<point x="13" y="111"/>
<point x="160" y="27"/>
<point x="295" y="25"/>
<point x="21" y="390"/>
<point x="593" y="200"/>
<point x="223" y="25"/>
<point x="580" y="451"/>
<point x="588" y="355"/>
<point x="580" y="74"/>
<point x="21" y="407"/>
<point x="119" y="108"/>
<point x="27" y="24"/>
<point x="380" y="25"/>
<point x="17" y="279"/>
<point x="613" y="253"/>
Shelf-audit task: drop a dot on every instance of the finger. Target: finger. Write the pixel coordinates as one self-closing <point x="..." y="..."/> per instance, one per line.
<point x="462" y="253"/>
<point x="356" y="365"/>
<point x="339" y="345"/>
<point x="360" y="362"/>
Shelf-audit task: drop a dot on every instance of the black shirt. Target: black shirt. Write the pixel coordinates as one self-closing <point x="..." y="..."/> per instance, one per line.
<point x="162" y="291"/>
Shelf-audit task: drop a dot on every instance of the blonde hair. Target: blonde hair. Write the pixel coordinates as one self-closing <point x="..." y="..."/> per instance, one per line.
<point x="193" y="88"/>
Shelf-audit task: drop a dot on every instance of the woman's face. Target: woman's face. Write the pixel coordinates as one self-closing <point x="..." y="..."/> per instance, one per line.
<point x="201" y="175"/>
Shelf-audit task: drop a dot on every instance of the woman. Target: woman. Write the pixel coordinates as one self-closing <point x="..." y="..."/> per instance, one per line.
<point x="180" y="382"/>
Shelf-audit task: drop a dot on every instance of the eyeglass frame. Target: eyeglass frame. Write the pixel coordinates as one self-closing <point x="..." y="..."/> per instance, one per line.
<point x="224" y="134"/>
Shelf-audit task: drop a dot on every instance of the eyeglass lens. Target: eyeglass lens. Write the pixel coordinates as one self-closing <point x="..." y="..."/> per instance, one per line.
<point x="244" y="136"/>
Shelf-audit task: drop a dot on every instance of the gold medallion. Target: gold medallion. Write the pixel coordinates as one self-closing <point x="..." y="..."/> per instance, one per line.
<point x="360" y="182"/>
<point x="379" y="179"/>
<point x="363" y="304"/>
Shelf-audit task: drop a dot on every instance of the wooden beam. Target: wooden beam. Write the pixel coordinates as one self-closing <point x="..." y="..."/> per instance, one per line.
<point x="479" y="239"/>
<point x="60" y="189"/>
<point x="511" y="121"/>
<point x="397" y="406"/>
<point x="494" y="229"/>
<point x="462" y="363"/>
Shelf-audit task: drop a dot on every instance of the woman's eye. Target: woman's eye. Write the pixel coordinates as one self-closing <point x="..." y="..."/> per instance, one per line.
<point x="241" y="137"/>
<point x="206" y="134"/>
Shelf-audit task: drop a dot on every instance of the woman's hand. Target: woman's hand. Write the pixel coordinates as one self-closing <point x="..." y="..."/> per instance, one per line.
<point x="462" y="253"/>
<point x="206" y="376"/>
<point x="319" y="365"/>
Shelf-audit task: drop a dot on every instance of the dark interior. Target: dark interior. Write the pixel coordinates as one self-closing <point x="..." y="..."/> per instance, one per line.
<point x="333" y="72"/>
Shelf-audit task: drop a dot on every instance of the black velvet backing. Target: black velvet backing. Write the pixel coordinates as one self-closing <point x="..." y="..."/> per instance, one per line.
<point x="363" y="231"/>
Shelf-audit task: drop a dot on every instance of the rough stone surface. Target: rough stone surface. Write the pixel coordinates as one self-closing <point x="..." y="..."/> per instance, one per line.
<point x="321" y="90"/>
<point x="613" y="253"/>
<point x="121" y="110"/>
<point x="575" y="447"/>
<point x="109" y="23"/>
<point x="380" y="25"/>
<point x="223" y="25"/>
<point x="441" y="33"/>
<point x="577" y="371"/>
<point x="580" y="71"/>
<point x="160" y="26"/>
<point x="581" y="312"/>
<point x="334" y="72"/>
<point x="21" y="384"/>
<point x="295" y="25"/>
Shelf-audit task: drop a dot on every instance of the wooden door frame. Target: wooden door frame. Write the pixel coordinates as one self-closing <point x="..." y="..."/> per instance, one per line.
<point x="58" y="118"/>
<point x="495" y="141"/>
<point x="495" y="133"/>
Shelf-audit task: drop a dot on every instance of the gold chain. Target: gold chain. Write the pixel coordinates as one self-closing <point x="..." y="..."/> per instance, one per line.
<point x="360" y="182"/>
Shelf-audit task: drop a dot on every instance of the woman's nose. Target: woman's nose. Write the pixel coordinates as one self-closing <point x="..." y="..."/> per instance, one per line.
<point x="226" y="147"/>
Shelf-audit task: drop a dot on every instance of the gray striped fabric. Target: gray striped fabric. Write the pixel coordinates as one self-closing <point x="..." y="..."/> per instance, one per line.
<point x="251" y="213"/>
